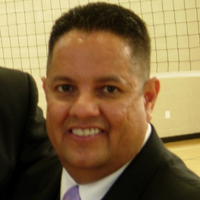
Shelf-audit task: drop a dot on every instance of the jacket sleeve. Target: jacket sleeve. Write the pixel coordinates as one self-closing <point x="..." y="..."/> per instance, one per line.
<point x="23" y="137"/>
<point x="34" y="144"/>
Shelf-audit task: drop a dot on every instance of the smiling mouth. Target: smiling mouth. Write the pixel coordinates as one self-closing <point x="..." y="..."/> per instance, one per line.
<point x="86" y="132"/>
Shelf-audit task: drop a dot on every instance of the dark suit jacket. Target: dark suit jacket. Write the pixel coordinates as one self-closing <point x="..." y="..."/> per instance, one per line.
<point x="23" y="138"/>
<point x="155" y="174"/>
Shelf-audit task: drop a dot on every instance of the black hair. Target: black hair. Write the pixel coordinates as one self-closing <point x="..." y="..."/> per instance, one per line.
<point x="106" y="17"/>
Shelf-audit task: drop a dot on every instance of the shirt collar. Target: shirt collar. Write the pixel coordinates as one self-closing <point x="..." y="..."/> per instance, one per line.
<point x="93" y="191"/>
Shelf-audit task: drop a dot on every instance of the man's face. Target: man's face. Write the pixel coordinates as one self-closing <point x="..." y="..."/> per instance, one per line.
<point x="97" y="114"/>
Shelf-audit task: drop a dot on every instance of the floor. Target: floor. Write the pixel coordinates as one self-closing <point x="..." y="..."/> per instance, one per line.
<point x="189" y="151"/>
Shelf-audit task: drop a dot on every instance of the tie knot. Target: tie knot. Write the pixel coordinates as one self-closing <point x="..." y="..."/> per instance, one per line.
<point x="72" y="194"/>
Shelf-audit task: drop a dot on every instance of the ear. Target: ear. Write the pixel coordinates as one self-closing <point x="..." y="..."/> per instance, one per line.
<point x="151" y="90"/>
<point x="43" y="83"/>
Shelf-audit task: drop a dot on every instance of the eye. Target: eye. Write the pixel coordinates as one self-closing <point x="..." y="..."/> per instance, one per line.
<point x="110" y="89"/>
<point x="64" y="88"/>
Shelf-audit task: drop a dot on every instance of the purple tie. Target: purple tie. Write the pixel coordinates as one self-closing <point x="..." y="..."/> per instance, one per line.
<point x="72" y="194"/>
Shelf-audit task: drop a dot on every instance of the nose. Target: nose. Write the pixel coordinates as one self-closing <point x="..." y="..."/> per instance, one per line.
<point x="85" y="106"/>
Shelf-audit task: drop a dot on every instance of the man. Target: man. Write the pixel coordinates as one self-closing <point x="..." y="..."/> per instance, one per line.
<point x="23" y="138"/>
<point x="99" y="104"/>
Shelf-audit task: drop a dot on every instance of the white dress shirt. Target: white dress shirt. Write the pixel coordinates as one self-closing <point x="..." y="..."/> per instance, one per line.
<point x="96" y="190"/>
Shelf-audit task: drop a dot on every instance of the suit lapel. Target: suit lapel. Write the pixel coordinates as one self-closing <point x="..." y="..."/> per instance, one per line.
<point x="136" y="177"/>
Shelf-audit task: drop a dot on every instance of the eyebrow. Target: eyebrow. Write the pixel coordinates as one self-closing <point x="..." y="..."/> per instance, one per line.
<point x="63" y="78"/>
<point x="109" y="78"/>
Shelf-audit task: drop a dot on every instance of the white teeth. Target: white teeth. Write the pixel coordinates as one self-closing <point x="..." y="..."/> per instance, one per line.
<point x="86" y="132"/>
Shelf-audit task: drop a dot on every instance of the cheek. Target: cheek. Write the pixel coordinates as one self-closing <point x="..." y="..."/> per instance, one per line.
<point x="55" y="119"/>
<point x="127" y="128"/>
<point x="127" y="115"/>
<point x="117" y="115"/>
<point x="56" y="115"/>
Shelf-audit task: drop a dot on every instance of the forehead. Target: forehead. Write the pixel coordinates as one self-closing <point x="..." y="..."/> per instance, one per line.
<point x="95" y="44"/>
<point x="98" y="54"/>
<point x="98" y="40"/>
<point x="97" y="47"/>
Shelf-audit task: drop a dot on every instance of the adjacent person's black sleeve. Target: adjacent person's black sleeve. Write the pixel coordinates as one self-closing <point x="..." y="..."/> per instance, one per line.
<point x="23" y="138"/>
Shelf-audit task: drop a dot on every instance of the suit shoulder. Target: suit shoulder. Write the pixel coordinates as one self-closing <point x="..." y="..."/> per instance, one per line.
<point x="173" y="180"/>
<point x="13" y="79"/>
